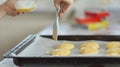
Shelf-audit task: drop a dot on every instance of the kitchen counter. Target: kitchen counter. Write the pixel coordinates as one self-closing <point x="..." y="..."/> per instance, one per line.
<point x="65" y="29"/>
<point x="75" y="29"/>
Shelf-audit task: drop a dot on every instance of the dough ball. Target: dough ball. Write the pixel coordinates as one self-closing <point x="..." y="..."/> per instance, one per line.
<point x="89" y="50"/>
<point x="90" y="44"/>
<point x="60" y="52"/>
<point x="113" y="51"/>
<point x="66" y="45"/>
<point x="112" y="45"/>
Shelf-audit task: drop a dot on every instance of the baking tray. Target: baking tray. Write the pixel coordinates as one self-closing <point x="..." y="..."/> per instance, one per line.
<point x="20" y="60"/>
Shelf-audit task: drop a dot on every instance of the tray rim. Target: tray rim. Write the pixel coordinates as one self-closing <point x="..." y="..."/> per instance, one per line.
<point x="11" y="53"/>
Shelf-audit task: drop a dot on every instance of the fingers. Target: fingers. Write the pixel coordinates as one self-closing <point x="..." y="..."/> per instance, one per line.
<point x="13" y="12"/>
<point x="64" y="7"/>
<point x="19" y="13"/>
<point x="10" y="9"/>
<point x="56" y="5"/>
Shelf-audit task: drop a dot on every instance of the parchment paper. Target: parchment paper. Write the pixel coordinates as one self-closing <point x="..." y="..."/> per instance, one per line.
<point x="41" y="47"/>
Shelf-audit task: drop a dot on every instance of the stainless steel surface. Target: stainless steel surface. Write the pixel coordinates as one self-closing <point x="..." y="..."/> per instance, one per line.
<point x="56" y="25"/>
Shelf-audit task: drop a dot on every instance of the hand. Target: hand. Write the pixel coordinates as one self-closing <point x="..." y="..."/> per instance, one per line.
<point x="9" y="9"/>
<point x="64" y="5"/>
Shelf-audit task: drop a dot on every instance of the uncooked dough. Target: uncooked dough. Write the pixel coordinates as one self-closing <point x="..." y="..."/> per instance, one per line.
<point x="60" y="52"/>
<point x="90" y="44"/>
<point x="112" y="45"/>
<point x="66" y="45"/>
<point x="89" y="50"/>
<point x="113" y="51"/>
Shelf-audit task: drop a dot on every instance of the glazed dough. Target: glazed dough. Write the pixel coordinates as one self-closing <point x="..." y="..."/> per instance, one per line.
<point x="113" y="51"/>
<point x="90" y="44"/>
<point x="89" y="50"/>
<point x="66" y="45"/>
<point x="60" y="52"/>
<point x="112" y="45"/>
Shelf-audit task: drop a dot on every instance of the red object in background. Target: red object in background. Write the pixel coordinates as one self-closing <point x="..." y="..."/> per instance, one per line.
<point x="93" y="17"/>
<point x="88" y="20"/>
<point x="101" y="14"/>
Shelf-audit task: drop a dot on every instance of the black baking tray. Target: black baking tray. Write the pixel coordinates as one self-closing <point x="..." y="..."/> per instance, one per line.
<point x="64" y="60"/>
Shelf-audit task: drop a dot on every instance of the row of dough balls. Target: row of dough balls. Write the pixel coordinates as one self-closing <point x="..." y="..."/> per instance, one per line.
<point x="63" y="49"/>
<point x="89" y="47"/>
<point x="113" y="48"/>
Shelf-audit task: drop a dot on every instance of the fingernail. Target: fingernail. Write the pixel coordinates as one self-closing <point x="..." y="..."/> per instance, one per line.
<point x="61" y="14"/>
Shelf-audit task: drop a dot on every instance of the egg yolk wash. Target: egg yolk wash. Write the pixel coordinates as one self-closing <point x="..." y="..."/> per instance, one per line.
<point x="25" y="5"/>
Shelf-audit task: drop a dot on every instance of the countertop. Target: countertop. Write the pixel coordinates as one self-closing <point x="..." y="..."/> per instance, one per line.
<point x="76" y="29"/>
<point x="65" y="29"/>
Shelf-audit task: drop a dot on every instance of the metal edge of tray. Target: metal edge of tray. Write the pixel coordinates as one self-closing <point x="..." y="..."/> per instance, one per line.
<point x="85" y="37"/>
<point x="18" y="48"/>
<point x="70" y="60"/>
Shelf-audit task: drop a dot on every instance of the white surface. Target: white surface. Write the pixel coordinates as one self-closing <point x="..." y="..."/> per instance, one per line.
<point x="68" y="29"/>
<point x="43" y="46"/>
<point x="7" y="63"/>
<point x="25" y="4"/>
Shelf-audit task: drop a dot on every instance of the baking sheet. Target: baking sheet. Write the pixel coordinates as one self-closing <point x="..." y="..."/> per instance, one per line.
<point x="41" y="47"/>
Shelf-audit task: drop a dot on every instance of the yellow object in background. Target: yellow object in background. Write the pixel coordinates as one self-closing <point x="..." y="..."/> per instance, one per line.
<point x="25" y="9"/>
<point x="25" y="5"/>
<point x="104" y="24"/>
<point x="93" y="26"/>
<point x="96" y="26"/>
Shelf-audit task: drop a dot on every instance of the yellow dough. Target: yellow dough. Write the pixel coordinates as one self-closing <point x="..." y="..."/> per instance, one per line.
<point x="112" y="45"/>
<point x="90" y="44"/>
<point x="89" y="50"/>
<point x="66" y="45"/>
<point x="113" y="51"/>
<point x="61" y="52"/>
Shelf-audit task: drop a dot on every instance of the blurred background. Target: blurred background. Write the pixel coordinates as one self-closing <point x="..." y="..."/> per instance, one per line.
<point x="15" y="29"/>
